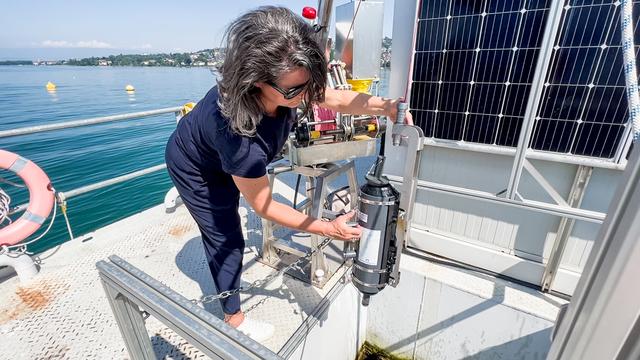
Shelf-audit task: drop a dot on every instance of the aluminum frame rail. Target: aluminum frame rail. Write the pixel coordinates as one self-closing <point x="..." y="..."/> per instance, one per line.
<point x="558" y="210"/>
<point x="177" y="110"/>
<point x="576" y="195"/>
<point x="87" y="122"/>
<point x="531" y="153"/>
<point x="129" y="290"/>
<point x="99" y="185"/>
<point x="535" y="94"/>
<point x="325" y="8"/>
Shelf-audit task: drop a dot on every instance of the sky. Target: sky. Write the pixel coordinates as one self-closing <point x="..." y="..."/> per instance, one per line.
<point x="53" y="30"/>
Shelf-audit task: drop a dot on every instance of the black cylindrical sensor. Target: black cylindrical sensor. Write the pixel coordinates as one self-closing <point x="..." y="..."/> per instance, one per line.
<point x="377" y="216"/>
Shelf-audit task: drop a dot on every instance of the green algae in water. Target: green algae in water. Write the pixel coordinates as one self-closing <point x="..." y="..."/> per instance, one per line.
<point x="369" y="351"/>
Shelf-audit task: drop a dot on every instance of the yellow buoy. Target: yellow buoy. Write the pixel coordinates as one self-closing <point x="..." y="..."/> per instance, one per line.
<point x="186" y="108"/>
<point x="50" y="86"/>
<point x="129" y="88"/>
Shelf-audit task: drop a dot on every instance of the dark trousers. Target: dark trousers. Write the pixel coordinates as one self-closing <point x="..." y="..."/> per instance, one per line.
<point x="219" y="224"/>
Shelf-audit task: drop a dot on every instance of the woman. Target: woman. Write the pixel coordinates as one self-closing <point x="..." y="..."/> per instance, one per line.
<point x="221" y="148"/>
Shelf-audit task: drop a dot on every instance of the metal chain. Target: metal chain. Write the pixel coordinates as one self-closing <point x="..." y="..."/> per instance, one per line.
<point x="346" y="277"/>
<point x="256" y="305"/>
<point x="205" y="299"/>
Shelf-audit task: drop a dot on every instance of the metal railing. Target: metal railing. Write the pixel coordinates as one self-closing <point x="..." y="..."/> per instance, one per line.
<point x="87" y="122"/>
<point x="133" y="295"/>
<point x="62" y="196"/>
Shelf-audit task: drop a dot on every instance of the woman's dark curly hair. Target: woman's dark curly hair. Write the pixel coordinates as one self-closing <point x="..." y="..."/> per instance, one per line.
<point x="261" y="45"/>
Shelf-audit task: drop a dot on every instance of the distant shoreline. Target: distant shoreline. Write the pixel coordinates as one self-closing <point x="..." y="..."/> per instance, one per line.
<point x="211" y="67"/>
<point x="16" y="62"/>
<point x="210" y="58"/>
<point x="105" y="66"/>
<point x="388" y="65"/>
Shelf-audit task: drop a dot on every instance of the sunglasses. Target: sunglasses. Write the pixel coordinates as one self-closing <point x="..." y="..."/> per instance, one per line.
<point x="291" y="93"/>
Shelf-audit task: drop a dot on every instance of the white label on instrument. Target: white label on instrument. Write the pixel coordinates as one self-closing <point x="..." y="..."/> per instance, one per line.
<point x="370" y="241"/>
<point x="363" y="217"/>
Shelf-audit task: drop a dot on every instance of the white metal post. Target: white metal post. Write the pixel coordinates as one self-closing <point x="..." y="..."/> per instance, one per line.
<point x="580" y="182"/>
<point x="404" y="14"/>
<point x="544" y="59"/>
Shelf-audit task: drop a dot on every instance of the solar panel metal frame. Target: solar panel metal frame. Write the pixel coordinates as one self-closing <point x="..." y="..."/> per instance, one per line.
<point x="459" y="133"/>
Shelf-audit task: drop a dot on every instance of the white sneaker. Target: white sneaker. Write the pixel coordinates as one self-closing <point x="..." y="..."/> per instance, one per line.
<point x="256" y="329"/>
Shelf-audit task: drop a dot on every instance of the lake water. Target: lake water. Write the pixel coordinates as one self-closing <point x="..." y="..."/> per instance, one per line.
<point x="81" y="156"/>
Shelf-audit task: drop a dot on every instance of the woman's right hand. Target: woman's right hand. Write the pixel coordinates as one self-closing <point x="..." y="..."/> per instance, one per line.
<point x="340" y="230"/>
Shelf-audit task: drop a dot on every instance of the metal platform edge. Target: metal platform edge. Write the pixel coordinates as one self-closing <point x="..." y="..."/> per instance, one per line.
<point x="129" y="289"/>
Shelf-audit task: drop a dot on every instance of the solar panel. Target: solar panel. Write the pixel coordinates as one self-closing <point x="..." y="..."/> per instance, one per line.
<point x="474" y="63"/>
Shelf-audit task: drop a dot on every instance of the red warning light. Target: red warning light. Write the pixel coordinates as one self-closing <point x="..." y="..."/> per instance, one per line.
<point x="309" y="13"/>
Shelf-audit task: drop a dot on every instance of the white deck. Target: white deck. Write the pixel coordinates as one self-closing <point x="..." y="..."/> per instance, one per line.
<point x="64" y="313"/>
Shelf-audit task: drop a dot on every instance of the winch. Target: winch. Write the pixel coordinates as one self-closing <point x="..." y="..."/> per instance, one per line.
<point x="343" y="129"/>
<point x="377" y="216"/>
<point x="328" y="127"/>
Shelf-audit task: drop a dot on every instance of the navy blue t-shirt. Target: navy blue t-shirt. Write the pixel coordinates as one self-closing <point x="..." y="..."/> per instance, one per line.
<point x="205" y="150"/>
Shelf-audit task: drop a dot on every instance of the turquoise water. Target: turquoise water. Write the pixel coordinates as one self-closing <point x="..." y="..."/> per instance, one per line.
<point x="81" y="156"/>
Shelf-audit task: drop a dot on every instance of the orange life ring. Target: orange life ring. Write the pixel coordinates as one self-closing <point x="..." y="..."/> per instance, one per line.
<point x="41" y="198"/>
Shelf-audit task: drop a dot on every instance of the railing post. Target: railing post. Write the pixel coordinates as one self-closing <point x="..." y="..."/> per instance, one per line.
<point x="544" y="59"/>
<point x="131" y="325"/>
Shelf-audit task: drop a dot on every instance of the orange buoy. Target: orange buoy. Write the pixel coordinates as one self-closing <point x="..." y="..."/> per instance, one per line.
<point x="41" y="198"/>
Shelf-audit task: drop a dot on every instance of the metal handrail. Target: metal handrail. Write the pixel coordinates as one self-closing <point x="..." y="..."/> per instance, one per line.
<point x="130" y="289"/>
<point x="86" y="122"/>
<point x="96" y="186"/>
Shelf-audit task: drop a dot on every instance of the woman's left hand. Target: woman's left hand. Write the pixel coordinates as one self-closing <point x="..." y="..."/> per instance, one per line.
<point x="408" y="118"/>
